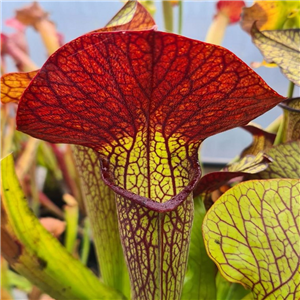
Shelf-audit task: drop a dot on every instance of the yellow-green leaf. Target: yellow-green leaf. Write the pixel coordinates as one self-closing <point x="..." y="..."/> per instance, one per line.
<point x="285" y="162"/>
<point x="101" y="210"/>
<point x="37" y="254"/>
<point x="282" y="48"/>
<point x="252" y="234"/>
<point x="271" y="15"/>
<point x="262" y="140"/>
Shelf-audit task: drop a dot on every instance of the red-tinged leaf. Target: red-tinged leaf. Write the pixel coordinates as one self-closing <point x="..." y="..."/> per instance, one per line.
<point x="145" y="108"/>
<point x="14" y="84"/>
<point x="99" y="198"/>
<point x="250" y="164"/>
<point x="132" y="16"/>
<point x="101" y="210"/>
<point x="262" y="140"/>
<point x="127" y="85"/>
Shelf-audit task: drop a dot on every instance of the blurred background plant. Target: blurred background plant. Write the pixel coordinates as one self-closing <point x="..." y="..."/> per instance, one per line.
<point x="47" y="172"/>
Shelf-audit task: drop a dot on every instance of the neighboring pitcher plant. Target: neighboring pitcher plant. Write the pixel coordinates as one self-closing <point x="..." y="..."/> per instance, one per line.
<point x="143" y="100"/>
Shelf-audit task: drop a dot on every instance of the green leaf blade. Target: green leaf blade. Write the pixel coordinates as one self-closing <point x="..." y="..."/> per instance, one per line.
<point x="282" y="48"/>
<point x="285" y="162"/>
<point x="252" y="233"/>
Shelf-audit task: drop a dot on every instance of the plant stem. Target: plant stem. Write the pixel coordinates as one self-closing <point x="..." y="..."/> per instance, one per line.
<point x="274" y="126"/>
<point x="85" y="242"/>
<point x="71" y="217"/>
<point x="291" y="89"/>
<point x="217" y="29"/>
<point x="27" y="157"/>
<point x="281" y="131"/>
<point x="168" y="15"/>
<point x="180" y="13"/>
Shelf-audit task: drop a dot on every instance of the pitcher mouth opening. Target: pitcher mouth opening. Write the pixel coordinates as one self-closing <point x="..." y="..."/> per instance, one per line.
<point x="160" y="207"/>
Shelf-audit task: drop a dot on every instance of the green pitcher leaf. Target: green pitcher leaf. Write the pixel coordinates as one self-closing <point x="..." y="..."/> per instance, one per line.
<point x="285" y="162"/>
<point x="282" y="48"/>
<point x="36" y="254"/>
<point x="145" y="100"/>
<point x="291" y="109"/>
<point x="101" y="209"/>
<point x="199" y="281"/>
<point x="252" y="234"/>
<point x="262" y="140"/>
<point x="156" y="247"/>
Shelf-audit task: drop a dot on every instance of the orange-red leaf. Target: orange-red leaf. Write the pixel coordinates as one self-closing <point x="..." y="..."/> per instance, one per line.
<point x="144" y="100"/>
<point x="14" y="84"/>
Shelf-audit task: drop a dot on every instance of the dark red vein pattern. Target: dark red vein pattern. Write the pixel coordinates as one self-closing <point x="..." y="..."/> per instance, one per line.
<point x="252" y="233"/>
<point x="156" y="247"/>
<point x="144" y="100"/>
<point x="14" y="84"/>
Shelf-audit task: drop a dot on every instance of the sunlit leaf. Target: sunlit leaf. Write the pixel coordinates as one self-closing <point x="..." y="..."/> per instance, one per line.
<point x="14" y="84"/>
<point x="201" y="271"/>
<point x="271" y="15"/>
<point x="285" y="162"/>
<point x="99" y="198"/>
<point x="132" y="16"/>
<point x="144" y="100"/>
<point x="36" y="254"/>
<point x="282" y="48"/>
<point x="114" y="107"/>
<point x="252" y="234"/>
<point x="262" y="140"/>
<point x="18" y="281"/>
<point x="250" y="164"/>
